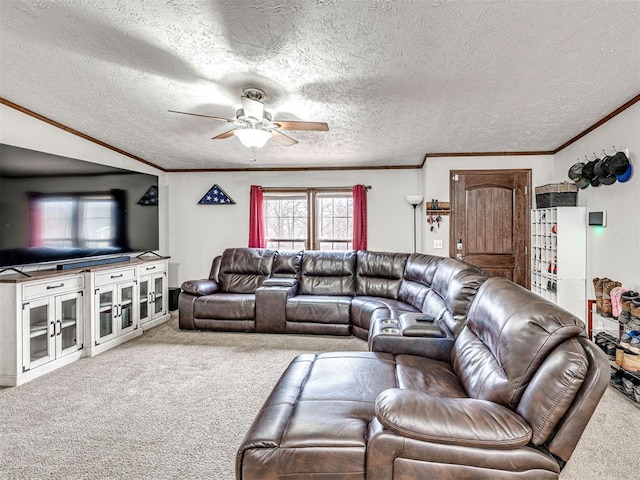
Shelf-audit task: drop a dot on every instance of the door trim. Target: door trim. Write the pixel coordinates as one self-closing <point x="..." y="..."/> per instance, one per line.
<point x="527" y="219"/>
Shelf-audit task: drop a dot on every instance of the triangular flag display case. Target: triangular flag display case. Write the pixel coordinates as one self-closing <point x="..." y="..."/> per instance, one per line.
<point x="150" y="197"/>
<point x="216" y="196"/>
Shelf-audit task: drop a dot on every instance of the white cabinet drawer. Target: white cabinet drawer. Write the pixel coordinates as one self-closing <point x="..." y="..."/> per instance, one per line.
<point x="115" y="276"/>
<point x="151" y="268"/>
<point x="52" y="287"/>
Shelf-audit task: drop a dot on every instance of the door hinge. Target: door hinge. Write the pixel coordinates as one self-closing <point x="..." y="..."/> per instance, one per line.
<point x="455" y="177"/>
<point x="526" y="190"/>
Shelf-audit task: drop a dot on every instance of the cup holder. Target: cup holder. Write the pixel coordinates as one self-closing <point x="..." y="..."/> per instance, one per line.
<point x="391" y="331"/>
<point x="389" y="321"/>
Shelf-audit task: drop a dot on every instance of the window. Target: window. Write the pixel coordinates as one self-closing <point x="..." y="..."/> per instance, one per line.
<point x="74" y="221"/>
<point x="309" y="219"/>
<point x="286" y="221"/>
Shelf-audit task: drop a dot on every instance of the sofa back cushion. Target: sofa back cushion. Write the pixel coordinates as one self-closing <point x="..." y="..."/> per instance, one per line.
<point x="455" y="284"/>
<point x="417" y="278"/>
<point x="553" y="389"/>
<point x="242" y="270"/>
<point x="215" y="268"/>
<point x="379" y="274"/>
<point x="328" y="273"/>
<point x="508" y="335"/>
<point x="286" y="264"/>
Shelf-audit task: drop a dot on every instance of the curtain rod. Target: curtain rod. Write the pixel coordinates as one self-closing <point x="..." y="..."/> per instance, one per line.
<point x="318" y="189"/>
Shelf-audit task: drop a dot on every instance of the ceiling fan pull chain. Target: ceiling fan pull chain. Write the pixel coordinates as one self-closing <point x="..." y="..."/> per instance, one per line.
<point x="253" y="152"/>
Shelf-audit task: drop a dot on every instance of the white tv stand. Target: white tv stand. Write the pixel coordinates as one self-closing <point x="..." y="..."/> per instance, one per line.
<point x="52" y="318"/>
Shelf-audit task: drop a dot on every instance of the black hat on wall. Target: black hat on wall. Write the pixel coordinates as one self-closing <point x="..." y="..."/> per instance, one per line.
<point x="575" y="174"/>
<point x="587" y="170"/>
<point x="618" y="164"/>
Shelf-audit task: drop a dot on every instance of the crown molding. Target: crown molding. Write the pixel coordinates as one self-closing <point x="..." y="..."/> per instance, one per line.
<point x="75" y="132"/>
<point x="605" y="119"/>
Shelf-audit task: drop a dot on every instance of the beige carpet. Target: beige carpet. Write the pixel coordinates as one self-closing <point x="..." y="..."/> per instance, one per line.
<point x="174" y="404"/>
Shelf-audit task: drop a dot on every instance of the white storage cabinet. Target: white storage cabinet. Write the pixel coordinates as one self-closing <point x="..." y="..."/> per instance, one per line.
<point x="113" y="308"/>
<point x="41" y="326"/>
<point x="558" y="257"/>
<point x="153" y="293"/>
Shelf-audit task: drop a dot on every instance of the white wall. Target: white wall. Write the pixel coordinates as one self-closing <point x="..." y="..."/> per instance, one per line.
<point x="21" y="130"/>
<point x="199" y="232"/>
<point x="613" y="251"/>
<point x="436" y="185"/>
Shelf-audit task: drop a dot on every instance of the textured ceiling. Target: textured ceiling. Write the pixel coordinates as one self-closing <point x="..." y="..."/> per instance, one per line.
<point x="393" y="79"/>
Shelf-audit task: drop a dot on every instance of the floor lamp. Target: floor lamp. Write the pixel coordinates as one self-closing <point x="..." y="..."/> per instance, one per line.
<point x="414" y="201"/>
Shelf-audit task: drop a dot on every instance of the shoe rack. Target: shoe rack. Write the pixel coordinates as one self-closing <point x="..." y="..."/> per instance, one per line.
<point x="608" y="330"/>
<point x="558" y="256"/>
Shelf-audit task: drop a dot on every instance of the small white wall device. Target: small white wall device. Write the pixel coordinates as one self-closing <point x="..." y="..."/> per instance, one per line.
<point x="597" y="219"/>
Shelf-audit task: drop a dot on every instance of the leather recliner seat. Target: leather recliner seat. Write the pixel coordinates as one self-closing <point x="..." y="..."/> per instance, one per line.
<point x="510" y="402"/>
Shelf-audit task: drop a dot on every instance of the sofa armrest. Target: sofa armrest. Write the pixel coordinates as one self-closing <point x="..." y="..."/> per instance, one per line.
<point x="271" y="302"/>
<point x="200" y="287"/>
<point x="452" y="421"/>
<point x="280" y="282"/>
<point x="387" y="336"/>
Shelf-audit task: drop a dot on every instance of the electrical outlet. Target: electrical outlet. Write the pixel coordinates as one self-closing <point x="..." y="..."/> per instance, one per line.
<point x="437" y="244"/>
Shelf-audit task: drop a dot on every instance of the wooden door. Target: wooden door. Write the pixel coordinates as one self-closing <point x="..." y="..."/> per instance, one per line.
<point x="490" y="221"/>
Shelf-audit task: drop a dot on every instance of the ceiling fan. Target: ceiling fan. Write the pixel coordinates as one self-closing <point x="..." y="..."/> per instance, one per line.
<point x="254" y="126"/>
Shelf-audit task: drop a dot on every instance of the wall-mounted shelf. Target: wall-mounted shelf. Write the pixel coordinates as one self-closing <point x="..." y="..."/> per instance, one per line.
<point x="444" y="208"/>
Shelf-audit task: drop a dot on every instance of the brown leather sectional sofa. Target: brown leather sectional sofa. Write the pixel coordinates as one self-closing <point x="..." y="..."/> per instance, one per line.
<point x="504" y="393"/>
<point x="322" y="292"/>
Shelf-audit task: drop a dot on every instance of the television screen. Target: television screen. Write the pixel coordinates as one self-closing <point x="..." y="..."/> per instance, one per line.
<point x="55" y="208"/>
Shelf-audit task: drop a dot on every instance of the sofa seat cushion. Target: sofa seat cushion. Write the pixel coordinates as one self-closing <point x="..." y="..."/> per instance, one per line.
<point x="318" y="309"/>
<point x="228" y="306"/>
<point x="396" y="307"/>
<point x="365" y="309"/>
<point x="430" y="376"/>
<point x="317" y="418"/>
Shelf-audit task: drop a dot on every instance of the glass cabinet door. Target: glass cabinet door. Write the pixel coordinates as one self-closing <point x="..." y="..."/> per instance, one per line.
<point x="143" y="303"/>
<point x="125" y="310"/>
<point x="67" y="327"/>
<point x="106" y="314"/>
<point x="158" y="297"/>
<point x="38" y="333"/>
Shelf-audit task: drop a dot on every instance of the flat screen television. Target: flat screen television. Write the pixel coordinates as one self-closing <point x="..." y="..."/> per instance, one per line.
<point x="56" y="209"/>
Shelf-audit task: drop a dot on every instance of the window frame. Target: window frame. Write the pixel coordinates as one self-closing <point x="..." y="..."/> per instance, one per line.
<point x="312" y="241"/>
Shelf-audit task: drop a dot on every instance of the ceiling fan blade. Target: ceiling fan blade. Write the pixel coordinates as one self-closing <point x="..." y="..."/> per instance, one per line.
<point x="295" y="125"/>
<point x="282" y="139"/>
<point x="226" y="134"/>
<point x="252" y="108"/>
<point x="200" y="115"/>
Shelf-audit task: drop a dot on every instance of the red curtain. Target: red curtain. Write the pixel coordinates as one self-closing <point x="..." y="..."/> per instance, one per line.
<point x="256" y="218"/>
<point x="359" y="217"/>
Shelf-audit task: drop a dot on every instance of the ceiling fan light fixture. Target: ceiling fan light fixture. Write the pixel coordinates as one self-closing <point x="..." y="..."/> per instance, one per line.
<point x="253" y="137"/>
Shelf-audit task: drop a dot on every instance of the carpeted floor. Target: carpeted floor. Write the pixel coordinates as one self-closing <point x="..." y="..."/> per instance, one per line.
<point x="174" y="404"/>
